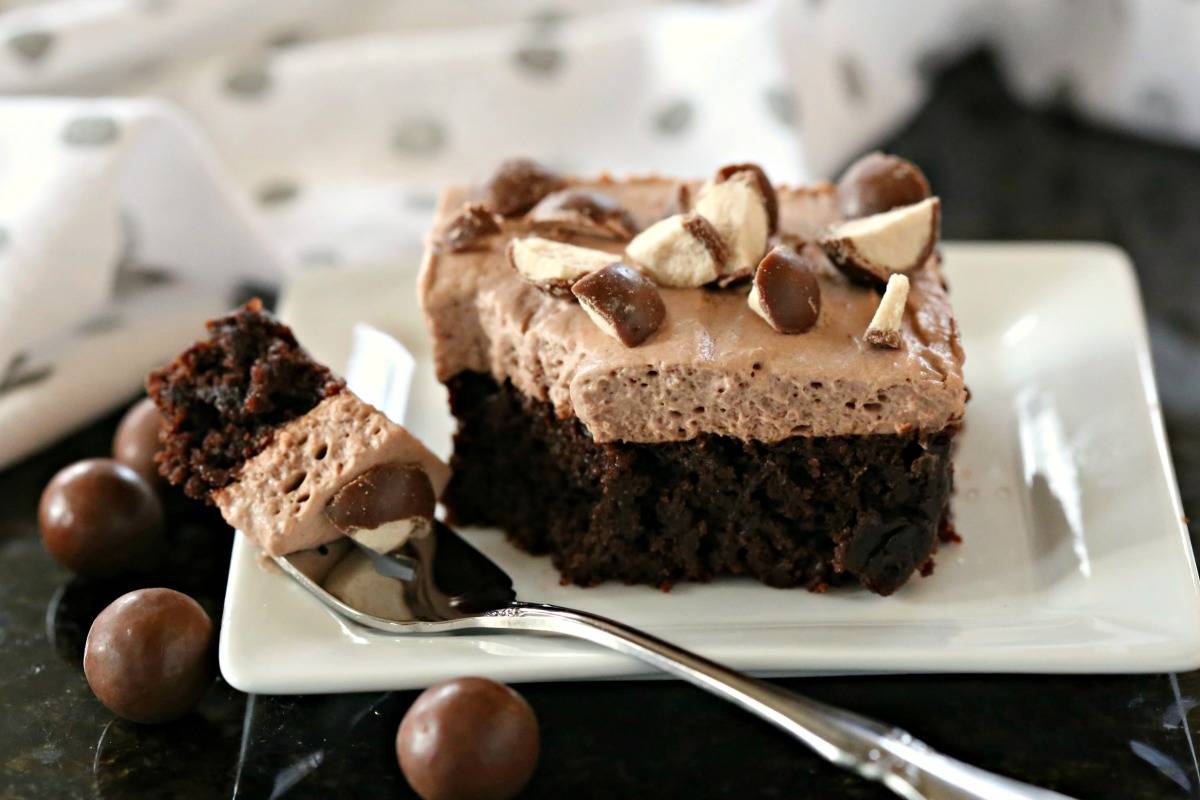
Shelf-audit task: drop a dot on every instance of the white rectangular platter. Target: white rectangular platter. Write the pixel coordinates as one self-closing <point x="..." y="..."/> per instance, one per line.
<point x="1075" y="557"/>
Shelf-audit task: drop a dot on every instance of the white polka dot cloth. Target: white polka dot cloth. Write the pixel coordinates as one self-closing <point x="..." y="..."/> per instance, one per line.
<point x="156" y="153"/>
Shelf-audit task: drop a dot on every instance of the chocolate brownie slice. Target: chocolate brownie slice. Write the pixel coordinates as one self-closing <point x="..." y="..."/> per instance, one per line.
<point x="773" y="416"/>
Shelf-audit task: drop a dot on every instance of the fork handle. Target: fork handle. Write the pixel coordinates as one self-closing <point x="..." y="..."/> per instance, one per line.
<point x="875" y="751"/>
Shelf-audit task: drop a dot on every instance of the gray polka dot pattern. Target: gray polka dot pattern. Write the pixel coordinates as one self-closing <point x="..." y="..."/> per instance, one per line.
<point x="32" y="46"/>
<point x="420" y="201"/>
<point x="548" y="20"/>
<point x="249" y="82"/>
<point x="782" y="105"/>
<point x="674" y="118"/>
<point x="147" y="69"/>
<point x="156" y="6"/>
<point x="131" y="240"/>
<point x="18" y="373"/>
<point x="133" y="278"/>
<point x="3" y="238"/>
<point x="852" y="78"/>
<point x="419" y="137"/>
<point x="277" y="192"/>
<point x="285" y="39"/>
<point x="91" y="131"/>
<point x="319" y="257"/>
<point x="101" y="323"/>
<point x="539" y="61"/>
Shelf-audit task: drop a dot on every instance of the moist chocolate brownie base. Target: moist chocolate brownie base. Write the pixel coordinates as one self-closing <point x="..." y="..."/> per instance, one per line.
<point x="806" y="511"/>
<point x="223" y="398"/>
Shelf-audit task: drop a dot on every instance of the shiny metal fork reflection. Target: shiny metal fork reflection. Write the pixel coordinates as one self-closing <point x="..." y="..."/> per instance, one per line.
<point x="459" y="590"/>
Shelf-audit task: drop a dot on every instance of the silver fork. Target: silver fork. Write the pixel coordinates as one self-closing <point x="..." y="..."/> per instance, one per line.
<point x="450" y="587"/>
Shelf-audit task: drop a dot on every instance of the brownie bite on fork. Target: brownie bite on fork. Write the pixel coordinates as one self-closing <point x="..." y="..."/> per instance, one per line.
<point x="271" y="437"/>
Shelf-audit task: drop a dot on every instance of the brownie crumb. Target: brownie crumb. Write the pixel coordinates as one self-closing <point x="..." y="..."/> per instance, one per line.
<point x="223" y="398"/>
<point x="947" y="533"/>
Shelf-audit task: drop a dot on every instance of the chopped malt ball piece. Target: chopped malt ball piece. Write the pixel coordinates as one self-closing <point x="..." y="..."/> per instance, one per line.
<point x="872" y="248"/>
<point x="385" y="506"/>
<point x="583" y="212"/>
<point x="879" y="182"/>
<point x="622" y="302"/>
<point x="683" y="250"/>
<point x="884" y="330"/>
<point x="518" y="184"/>
<point x="786" y="292"/>
<point x="553" y="266"/>
<point x="470" y="229"/>
<point x="739" y="203"/>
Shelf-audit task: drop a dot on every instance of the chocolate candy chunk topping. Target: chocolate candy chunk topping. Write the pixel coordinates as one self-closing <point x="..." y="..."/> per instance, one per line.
<point x="707" y="235"/>
<point x="870" y="249"/>
<point x="553" y="266"/>
<point x="467" y="231"/>
<point x="884" y="330"/>
<point x="683" y="199"/>
<point x="517" y="186"/>
<point x="622" y="302"/>
<point x="770" y="199"/>
<point x="738" y="209"/>
<point x="584" y="213"/>
<point x="786" y="292"/>
<point x="878" y="182"/>
<point x="683" y="250"/>
<point x="385" y="506"/>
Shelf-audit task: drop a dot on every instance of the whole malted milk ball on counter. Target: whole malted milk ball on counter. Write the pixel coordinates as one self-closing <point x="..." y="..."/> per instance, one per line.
<point x="468" y="739"/>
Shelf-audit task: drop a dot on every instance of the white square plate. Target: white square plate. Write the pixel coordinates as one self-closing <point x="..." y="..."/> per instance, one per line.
<point x="1075" y="557"/>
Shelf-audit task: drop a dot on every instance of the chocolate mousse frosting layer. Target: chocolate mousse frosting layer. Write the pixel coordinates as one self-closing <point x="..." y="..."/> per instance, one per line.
<point x="713" y="366"/>
<point x="280" y="495"/>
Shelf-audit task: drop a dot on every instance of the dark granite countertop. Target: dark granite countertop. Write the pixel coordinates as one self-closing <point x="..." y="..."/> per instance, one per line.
<point x="1006" y="173"/>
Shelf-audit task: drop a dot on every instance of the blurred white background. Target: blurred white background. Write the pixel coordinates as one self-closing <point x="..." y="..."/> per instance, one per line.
<point x="154" y="153"/>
